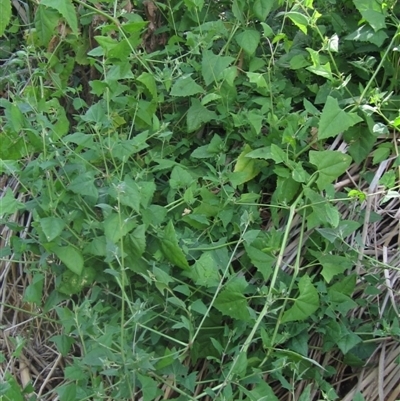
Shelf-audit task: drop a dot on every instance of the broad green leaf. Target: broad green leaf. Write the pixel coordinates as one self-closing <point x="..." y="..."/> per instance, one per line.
<point x="367" y="34"/>
<point x="70" y="256"/>
<point x="96" y="247"/>
<point x="186" y="86"/>
<point x="205" y="271"/>
<point x="61" y="127"/>
<point x="66" y="9"/>
<point x="237" y="11"/>
<point x="347" y="340"/>
<point x="255" y="119"/>
<point x="261" y="392"/>
<point x="146" y="189"/>
<point x="248" y="40"/>
<point x="332" y="265"/>
<point x="334" y="120"/>
<point x="52" y="227"/>
<point x="299" y="174"/>
<point x="162" y="279"/>
<point x="149" y="388"/>
<point x="97" y="113"/>
<point x="17" y="118"/>
<point x="9" y="167"/>
<point x="262" y="8"/>
<point x="138" y="240"/>
<point x="371" y="11"/>
<point x="171" y="249"/>
<point x="202" y="152"/>
<point x="361" y="142"/>
<point x="8" y="203"/>
<point x="197" y="4"/>
<point x="246" y="166"/>
<point x="116" y="226"/>
<point x="46" y="20"/>
<point x="261" y="153"/>
<point x="323" y="70"/>
<point x="34" y="291"/>
<point x="63" y="343"/>
<point x="345" y="228"/>
<point x="180" y="178"/>
<point x="240" y="367"/>
<point x="210" y="97"/>
<point x="67" y="392"/>
<point x="5" y="15"/>
<point x="154" y="215"/>
<point x="306" y="304"/>
<point x="231" y="301"/>
<point x="84" y="185"/>
<point x="388" y="180"/>
<point x="278" y="155"/>
<point x="268" y="32"/>
<point x="306" y="394"/>
<point x="286" y="189"/>
<point x="213" y="66"/>
<point x="300" y="20"/>
<point x="299" y="61"/>
<point x="261" y="261"/>
<point x="149" y="82"/>
<point x="127" y="193"/>
<point x="381" y="153"/>
<point x="114" y="48"/>
<point x="323" y="211"/>
<point x="331" y="164"/>
<point x="198" y="115"/>
<point x="358" y="397"/>
<point x="257" y="78"/>
<point x="342" y="303"/>
<point x="396" y="121"/>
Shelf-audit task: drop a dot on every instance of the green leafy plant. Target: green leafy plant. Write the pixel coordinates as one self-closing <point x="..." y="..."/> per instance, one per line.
<point x="197" y="181"/>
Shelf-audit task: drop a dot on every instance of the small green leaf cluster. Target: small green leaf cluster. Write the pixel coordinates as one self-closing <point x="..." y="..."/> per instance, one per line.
<point x="186" y="167"/>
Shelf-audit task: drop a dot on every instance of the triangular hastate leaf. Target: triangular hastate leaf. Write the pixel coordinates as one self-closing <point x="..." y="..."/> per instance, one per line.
<point x="127" y="192"/>
<point x="149" y="388"/>
<point x="70" y="256"/>
<point x="5" y="15"/>
<point x="246" y="166"/>
<point x="261" y="261"/>
<point x="117" y="226"/>
<point x="299" y="19"/>
<point x="171" y="249"/>
<point x="231" y="301"/>
<point x="334" y="120"/>
<point x="205" y="271"/>
<point x="198" y="115"/>
<point x="262" y="391"/>
<point x="332" y="265"/>
<point x="213" y="66"/>
<point x="330" y="164"/>
<point x="66" y="9"/>
<point x="248" y="40"/>
<point x="8" y="203"/>
<point x="262" y="8"/>
<point x="52" y="227"/>
<point x="149" y="82"/>
<point x="186" y="86"/>
<point x="306" y="304"/>
<point x="371" y="11"/>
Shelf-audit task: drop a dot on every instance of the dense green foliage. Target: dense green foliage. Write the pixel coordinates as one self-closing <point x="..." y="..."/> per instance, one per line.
<point x="179" y="162"/>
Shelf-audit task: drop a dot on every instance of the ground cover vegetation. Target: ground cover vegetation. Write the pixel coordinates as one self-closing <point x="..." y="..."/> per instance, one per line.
<point x="199" y="200"/>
